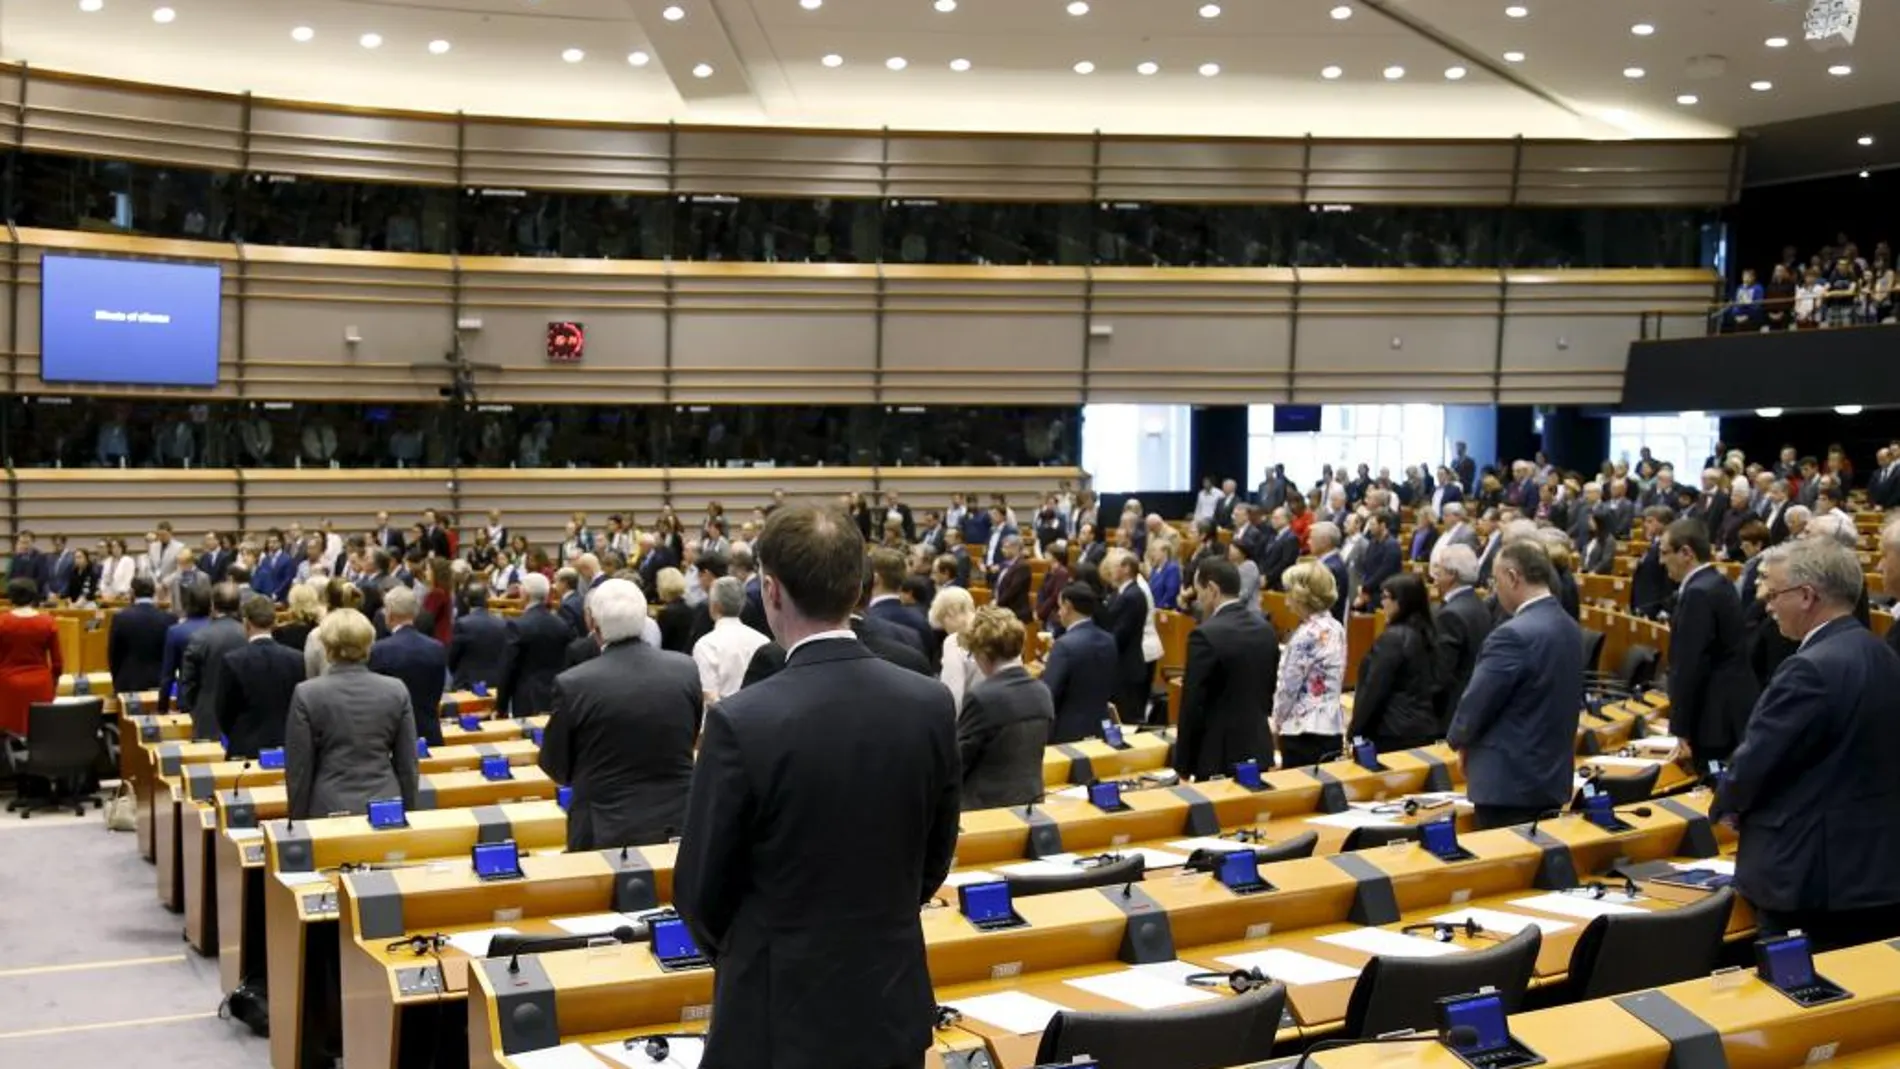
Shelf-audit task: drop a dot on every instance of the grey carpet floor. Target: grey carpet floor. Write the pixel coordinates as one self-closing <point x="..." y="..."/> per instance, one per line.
<point x="93" y="971"/>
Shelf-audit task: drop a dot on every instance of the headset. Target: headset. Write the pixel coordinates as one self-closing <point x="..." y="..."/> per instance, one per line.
<point x="1599" y="889"/>
<point x="1240" y="981"/>
<point x="947" y="1017"/>
<point x="419" y="945"/>
<point x="1246" y="835"/>
<point x="1409" y="807"/>
<point x="658" y="1048"/>
<point x="1446" y="931"/>
<point x="1097" y="861"/>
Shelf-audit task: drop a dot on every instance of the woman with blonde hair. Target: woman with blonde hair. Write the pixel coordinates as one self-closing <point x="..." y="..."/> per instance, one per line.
<point x="350" y="737"/>
<point x="1006" y="716"/>
<point x="306" y="611"/>
<point x="676" y="615"/>
<point x="951" y="612"/>
<point x="336" y="594"/>
<point x="1308" y="718"/>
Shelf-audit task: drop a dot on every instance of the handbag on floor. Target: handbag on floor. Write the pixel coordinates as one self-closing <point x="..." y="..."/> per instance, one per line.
<point x="122" y="810"/>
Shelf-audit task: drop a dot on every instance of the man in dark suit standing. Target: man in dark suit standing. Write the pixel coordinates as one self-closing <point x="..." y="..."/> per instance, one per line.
<point x="1650" y="586"/>
<point x="1460" y="626"/>
<point x="803" y="886"/>
<point x="1465" y="467"/>
<point x="1049" y="595"/>
<point x="622" y="729"/>
<point x="416" y="659"/>
<point x="1711" y="689"/>
<point x="887" y="642"/>
<point x="654" y="555"/>
<point x="1126" y="619"/>
<point x="1080" y="671"/>
<point x="1278" y="554"/>
<point x="255" y="684"/>
<point x="540" y="651"/>
<point x="1517" y="723"/>
<point x="1811" y="788"/>
<point x="1380" y="559"/>
<point x="435" y="538"/>
<point x="1012" y="581"/>
<point x="480" y="645"/>
<point x="135" y="645"/>
<point x="1224" y="509"/>
<point x="1233" y="666"/>
<point x="1324" y="538"/>
<point x="1884" y="489"/>
<point x="202" y="667"/>
<point x="888" y="570"/>
<point x="932" y="534"/>
<point x="29" y="563"/>
<point x="1273" y="488"/>
<point x="388" y="537"/>
<point x="571" y="602"/>
<point x="1447" y="492"/>
<point x="743" y="566"/>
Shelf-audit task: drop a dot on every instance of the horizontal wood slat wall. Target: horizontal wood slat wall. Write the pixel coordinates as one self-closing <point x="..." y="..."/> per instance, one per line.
<point x="662" y="332"/>
<point x="91" y="505"/>
<point x="155" y="124"/>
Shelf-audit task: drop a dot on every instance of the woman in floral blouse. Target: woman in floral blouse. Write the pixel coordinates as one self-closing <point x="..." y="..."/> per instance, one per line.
<point x="1307" y="716"/>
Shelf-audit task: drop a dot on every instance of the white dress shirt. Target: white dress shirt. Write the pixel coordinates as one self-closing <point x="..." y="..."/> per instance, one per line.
<point x="722" y="655"/>
<point x="959" y="669"/>
<point x="115" y="578"/>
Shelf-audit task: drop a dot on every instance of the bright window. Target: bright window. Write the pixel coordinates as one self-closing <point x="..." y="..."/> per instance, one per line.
<point x="1684" y="440"/>
<point x="1381" y="436"/>
<point x="1135" y="448"/>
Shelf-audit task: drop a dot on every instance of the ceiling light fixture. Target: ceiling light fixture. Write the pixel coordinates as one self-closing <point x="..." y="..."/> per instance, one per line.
<point x="703" y="70"/>
<point x="946" y="6"/>
<point x="1840" y="70"/>
<point x="1209" y="70"/>
<point x="959" y="65"/>
<point x="1768" y="413"/>
<point x="1776" y="42"/>
<point x="1394" y="73"/>
<point x="1085" y="67"/>
<point x="1331" y="73"/>
<point x="370" y="40"/>
<point x="1078" y="7"/>
<point x="638" y="59"/>
<point x="833" y="60"/>
<point x="1849" y="410"/>
<point x="1866" y="142"/>
<point x="1642" y="29"/>
<point x="1148" y="67"/>
<point x="1517" y="11"/>
<point x="1688" y="100"/>
<point x="1634" y="72"/>
<point x="1455" y="74"/>
<point x="811" y="5"/>
<point x="91" y="5"/>
<point x="1761" y="87"/>
<point x="676" y="12"/>
<point x="897" y="63"/>
<point x="1864" y="174"/>
<point x="163" y="15"/>
<point x="1513" y="57"/>
<point x="1342" y="13"/>
<point x="438" y="47"/>
<point x="573" y="55"/>
<point x="1210" y="11"/>
<point x="301" y="34"/>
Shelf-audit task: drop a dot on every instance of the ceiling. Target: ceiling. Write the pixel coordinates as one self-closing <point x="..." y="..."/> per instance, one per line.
<point x="765" y="61"/>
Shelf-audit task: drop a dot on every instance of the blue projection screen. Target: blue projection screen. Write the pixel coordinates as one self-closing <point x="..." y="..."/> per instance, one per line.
<point x="129" y="321"/>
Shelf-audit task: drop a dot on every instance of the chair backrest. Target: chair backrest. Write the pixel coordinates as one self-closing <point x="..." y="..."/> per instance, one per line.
<point x="1627" y="790"/>
<point x="1372" y="836"/>
<point x="1301" y="845"/>
<point x="1632" y="951"/>
<point x="1638" y="668"/>
<point x="1399" y="993"/>
<point x="1128" y="870"/>
<point x="62" y="737"/>
<point x="1592" y="649"/>
<point x="1233" y="1031"/>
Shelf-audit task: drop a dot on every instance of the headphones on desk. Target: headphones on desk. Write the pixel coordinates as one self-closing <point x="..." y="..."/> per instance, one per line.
<point x="658" y="1048"/>
<point x="1246" y="835"/>
<point x="1409" y="807"/>
<point x="1599" y="889"/>
<point x="1240" y="981"/>
<point x="1446" y="931"/>
<point x="1098" y="861"/>
<point x="947" y="1017"/>
<point x="420" y="945"/>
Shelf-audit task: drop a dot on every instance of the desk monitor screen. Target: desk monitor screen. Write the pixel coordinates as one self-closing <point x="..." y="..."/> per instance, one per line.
<point x="497" y="861"/>
<point x="422" y="747"/>
<point x="1483" y="1014"/>
<point x="1597" y="807"/>
<point x="495" y="767"/>
<point x="672" y="942"/>
<point x="1240" y="871"/>
<point x="1105" y="795"/>
<point x="387" y="813"/>
<point x="564" y="796"/>
<point x="271" y="758"/>
<point x="1441" y="838"/>
<point x="1112" y="733"/>
<point x="469" y="722"/>
<point x="985" y="902"/>
<point x="1366" y="756"/>
<point x="1247" y="774"/>
<point x="480" y="689"/>
<point x="1787" y="963"/>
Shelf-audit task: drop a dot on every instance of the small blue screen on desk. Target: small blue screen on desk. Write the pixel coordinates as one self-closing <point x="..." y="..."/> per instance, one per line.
<point x="1366" y="756"/>
<point x="671" y="940"/>
<point x="1247" y="773"/>
<point x="537" y="735"/>
<point x="564" y="797"/>
<point x="1240" y="869"/>
<point x="497" y="859"/>
<point x="1790" y="962"/>
<point x="469" y="722"/>
<point x="1440" y="837"/>
<point x="1105" y="795"/>
<point x="273" y="758"/>
<point x="1111" y="733"/>
<point x="387" y="813"/>
<point x="1483" y="1014"/>
<point x="495" y="766"/>
<point x="1597" y="806"/>
<point x="422" y="747"/>
<point x="985" y="901"/>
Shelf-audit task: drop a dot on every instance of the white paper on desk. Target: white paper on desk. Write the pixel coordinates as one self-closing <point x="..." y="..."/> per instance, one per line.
<point x="1719" y="865"/>
<point x="1354" y="818"/>
<point x="1291" y="967"/>
<point x="1038" y="868"/>
<point x="1080" y="794"/>
<point x="1011" y="1011"/>
<point x="475" y="943"/>
<point x="1613" y="761"/>
<point x="1147" y="987"/>
<point x="565" y="1056"/>
<point x="1580" y="906"/>
<point x="592" y="924"/>
<point x="958" y="879"/>
<point x="302" y="879"/>
<point x="1379" y="941"/>
<point x="681" y="1053"/>
<point x="1502" y="923"/>
<point x="1661" y="743"/>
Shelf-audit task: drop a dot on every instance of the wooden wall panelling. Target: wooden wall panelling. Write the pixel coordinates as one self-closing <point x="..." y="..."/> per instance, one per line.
<point x="992" y="334"/>
<point x="276" y="497"/>
<point x="930" y="488"/>
<point x="510" y="155"/>
<point x="88" y="506"/>
<point x="538" y="501"/>
<point x="1184" y="335"/>
<point x="1001" y="168"/>
<point x="777" y="162"/>
<point x="783" y="333"/>
<point x="1567" y="333"/>
<point x="622" y="304"/>
<point x="297" y="139"/>
<point x="9" y="105"/>
<point x="1200" y="171"/>
<point x="741" y="490"/>
<point x="121" y="121"/>
<point x="1444" y="324"/>
<point x="1634" y="173"/>
<point x="1410" y="172"/>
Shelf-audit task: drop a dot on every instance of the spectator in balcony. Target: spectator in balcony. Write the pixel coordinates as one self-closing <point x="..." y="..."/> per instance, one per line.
<point x="1807" y="300"/>
<point x="1745" y="311"/>
<point x="1886" y="290"/>
<point x="1843" y="294"/>
<point x="1778" y="299"/>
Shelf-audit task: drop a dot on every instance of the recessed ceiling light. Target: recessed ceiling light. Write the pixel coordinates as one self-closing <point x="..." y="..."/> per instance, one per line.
<point x="811" y="5"/>
<point x="370" y="40"/>
<point x="439" y="47"/>
<point x="1330" y="73"/>
<point x="1085" y="67"/>
<point x="1848" y="410"/>
<point x="1761" y="87"/>
<point x="1634" y="72"/>
<point x="639" y="59"/>
<point x="1864" y="174"/>
<point x="1517" y="11"/>
<point x="1513" y="57"/>
<point x="1078" y="7"/>
<point x="703" y="70"/>
<point x="1148" y="67"/>
<point x="1776" y="42"/>
<point x="163" y="15"/>
<point x="946" y="6"/>
<point x="1688" y="100"/>
<point x="1865" y="142"/>
<point x="676" y="12"/>
<point x="1210" y="11"/>
<point x="91" y="5"/>
<point x="1209" y="70"/>
<point x="1342" y="12"/>
<point x="572" y="55"/>
<point x="1642" y="29"/>
<point x="959" y="65"/>
<point x="1394" y="73"/>
<point x="1453" y="74"/>
<point x="1840" y="70"/>
<point x="833" y="60"/>
<point x="1768" y="413"/>
<point x="302" y="33"/>
<point x="897" y="63"/>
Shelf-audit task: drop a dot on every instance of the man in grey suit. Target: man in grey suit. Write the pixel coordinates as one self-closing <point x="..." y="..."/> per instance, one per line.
<point x="1461" y="625"/>
<point x="203" y="664"/>
<point x="1516" y="725"/>
<point x="1006" y="717"/>
<point x="1457" y="527"/>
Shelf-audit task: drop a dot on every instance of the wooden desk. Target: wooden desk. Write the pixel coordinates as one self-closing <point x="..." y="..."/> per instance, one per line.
<point x="1092" y="759"/>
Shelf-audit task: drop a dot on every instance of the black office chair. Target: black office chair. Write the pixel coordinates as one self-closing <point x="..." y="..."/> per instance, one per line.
<point x="1129" y="869"/>
<point x="1638" y="669"/>
<point x="1371" y="837"/>
<point x="1629" y="789"/>
<point x="1301" y="845"/>
<point x="1633" y="951"/>
<point x="1592" y="650"/>
<point x="62" y="743"/>
<point x="1399" y="993"/>
<point x="1207" y="1035"/>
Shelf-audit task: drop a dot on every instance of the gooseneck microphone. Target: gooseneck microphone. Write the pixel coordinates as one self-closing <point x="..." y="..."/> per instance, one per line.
<point x="237" y="785"/>
<point x="1548" y="814"/>
<point x="1456" y="1037"/>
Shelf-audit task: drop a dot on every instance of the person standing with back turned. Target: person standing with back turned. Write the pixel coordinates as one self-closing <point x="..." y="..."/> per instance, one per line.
<point x="822" y="816"/>
<point x="1517" y="723"/>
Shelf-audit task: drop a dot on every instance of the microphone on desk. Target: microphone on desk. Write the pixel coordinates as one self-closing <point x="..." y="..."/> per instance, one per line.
<point x="513" y="946"/>
<point x="1457" y="1037"/>
<point x="1325" y="757"/>
<point x="237" y="785"/>
<point x="1548" y="814"/>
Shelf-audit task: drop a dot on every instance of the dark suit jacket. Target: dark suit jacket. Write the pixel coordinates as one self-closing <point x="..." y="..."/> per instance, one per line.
<point x="887" y="641"/>
<point x="660" y="556"/>
<point x="1396" y="700"/>
<point x="1049" y="598"/>
<point x="1517" y="722"/>
<point x="202" y="670"/>
<point x="1488" y="556"/>
<point x="754" y="614"/>
<point x="1423" y="540"/>
<point x="1080" y="675"/>
<point x="1127" y="616"/>
<point x="1711" y="691"/>
<point x="1459" y="629"/>
<point x="1281" y="553"/>
<point x="1379" y="563"/>
<point x="255" y="687"/>
<point x="1650" y="585"/>
<point x="1599" y="556"/>
<point x="1012" y="590"/>
<point x="479" y="650"/>
<point x="823" y="814"/>
<point x="621" y="734"/>
<point x="1342" y="581"/>
<point x="1233" y="666"/>
<point x="907" y="617"/>
<point x="676" y="627"/>
<point x="1812" y="783"/>
<point x="135" y="646"/>
<point x="421" y="663"/>
<point x="540" y="643"/>
<point x="573" y="612"/>
<point x="1001" y="731"/>
<point x="579" y="651"/>
<point x="1467" y="472"/>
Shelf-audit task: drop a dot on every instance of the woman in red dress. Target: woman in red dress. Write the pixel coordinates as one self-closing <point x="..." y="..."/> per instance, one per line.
<point x="439" y="602"/>
<point x="29" y="657"/>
